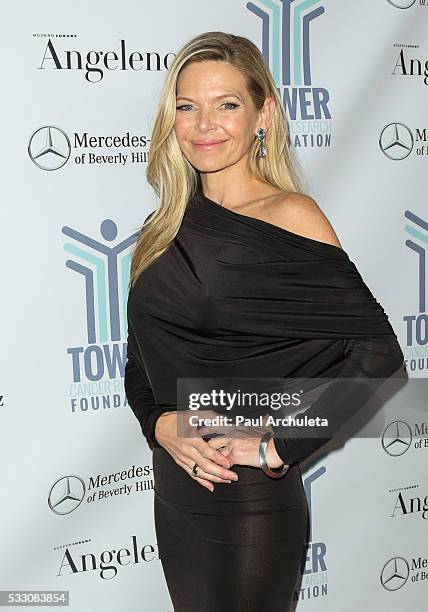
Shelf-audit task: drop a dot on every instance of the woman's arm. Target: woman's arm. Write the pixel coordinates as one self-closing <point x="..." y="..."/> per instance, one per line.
<point x="139" y="393"/>
<point x="364" y="358"/>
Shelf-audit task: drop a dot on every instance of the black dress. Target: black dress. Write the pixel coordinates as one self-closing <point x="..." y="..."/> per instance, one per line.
<point x="235" y="296"/>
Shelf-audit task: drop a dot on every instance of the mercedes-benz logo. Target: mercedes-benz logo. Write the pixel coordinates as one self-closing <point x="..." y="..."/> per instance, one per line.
<point x="396" y="141"/>
<point x="66" y="494"/>
<point x="397" y="438"/>
<point x="394" y="574"/>
<point x="402" y="4"/>
<point x="49" y="148"/>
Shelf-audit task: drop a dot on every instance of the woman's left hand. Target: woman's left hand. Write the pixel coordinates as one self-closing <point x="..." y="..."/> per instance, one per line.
<point x="243" y="448"/>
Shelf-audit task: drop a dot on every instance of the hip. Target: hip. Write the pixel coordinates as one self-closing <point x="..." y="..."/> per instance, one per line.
<point x="253" y="492"/>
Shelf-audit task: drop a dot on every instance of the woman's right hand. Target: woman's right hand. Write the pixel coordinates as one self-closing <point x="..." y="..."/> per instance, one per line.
<point x="213" y="465"/>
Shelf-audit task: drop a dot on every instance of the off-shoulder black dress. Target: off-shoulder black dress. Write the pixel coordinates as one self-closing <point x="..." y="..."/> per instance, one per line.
<point x="235" y="296"/>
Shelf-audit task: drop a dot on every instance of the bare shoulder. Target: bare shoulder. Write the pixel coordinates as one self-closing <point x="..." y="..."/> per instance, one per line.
<point x="300" y="213"/>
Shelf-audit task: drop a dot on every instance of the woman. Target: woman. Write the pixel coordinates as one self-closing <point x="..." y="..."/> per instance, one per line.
<point x="237" y="274"/>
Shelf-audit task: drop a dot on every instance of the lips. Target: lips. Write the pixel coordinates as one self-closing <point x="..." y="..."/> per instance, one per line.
<point x="207" y="145"/>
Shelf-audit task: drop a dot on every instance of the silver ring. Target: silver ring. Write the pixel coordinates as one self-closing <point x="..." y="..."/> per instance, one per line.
<point x="195" y="469"/>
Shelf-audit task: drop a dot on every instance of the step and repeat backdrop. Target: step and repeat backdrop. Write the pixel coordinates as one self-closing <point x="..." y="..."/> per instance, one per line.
<point x="80" y="91"/>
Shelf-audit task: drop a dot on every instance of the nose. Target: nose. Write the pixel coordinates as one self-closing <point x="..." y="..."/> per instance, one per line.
<point x="205" y="119"/>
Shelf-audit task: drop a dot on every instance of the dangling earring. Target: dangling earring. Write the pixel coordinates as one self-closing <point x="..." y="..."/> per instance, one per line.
<point x="261" y="133"/>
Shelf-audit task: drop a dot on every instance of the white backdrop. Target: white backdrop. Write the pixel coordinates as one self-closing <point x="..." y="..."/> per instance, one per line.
<point x="76" y="474"/>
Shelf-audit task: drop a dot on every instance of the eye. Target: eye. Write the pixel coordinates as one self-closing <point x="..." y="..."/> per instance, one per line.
<point x="182" y="106"/>
<point x="233" y="104"/>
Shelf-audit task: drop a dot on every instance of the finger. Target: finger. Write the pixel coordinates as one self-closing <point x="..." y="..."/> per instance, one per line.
<point x="201" y="453"/>
<point x="212" y="470"/>
<point x="205" y="448"/>
<point x="218" y="442"/>
<point x="221" y="444"/>
<point x="206" y="476"/>
<point x="205" y="430"/>
<point x="202" y="481"/>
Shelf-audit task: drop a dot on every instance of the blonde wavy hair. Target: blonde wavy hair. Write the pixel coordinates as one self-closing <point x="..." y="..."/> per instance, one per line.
<point x="170" y="174"/>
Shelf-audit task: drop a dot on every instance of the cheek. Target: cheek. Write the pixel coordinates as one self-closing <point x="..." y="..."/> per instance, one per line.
<point x="239" y="128"/>
<point x="180" y="127"/>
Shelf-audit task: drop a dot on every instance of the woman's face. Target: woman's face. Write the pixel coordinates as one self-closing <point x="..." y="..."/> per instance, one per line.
<point x="216" y="120"/>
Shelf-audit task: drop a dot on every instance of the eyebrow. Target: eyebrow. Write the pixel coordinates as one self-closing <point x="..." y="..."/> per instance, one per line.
<point x="223" y="95"/>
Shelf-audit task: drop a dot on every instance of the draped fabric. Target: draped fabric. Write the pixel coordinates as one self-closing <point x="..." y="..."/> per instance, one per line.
<point x="236" y="296"/>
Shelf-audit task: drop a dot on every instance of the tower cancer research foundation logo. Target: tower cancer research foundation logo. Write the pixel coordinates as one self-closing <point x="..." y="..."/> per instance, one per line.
<point x="314" y="578"/>
<point x="417" y="322"/>
<point x="286" y="45"/>
<point x="102" y="278"/>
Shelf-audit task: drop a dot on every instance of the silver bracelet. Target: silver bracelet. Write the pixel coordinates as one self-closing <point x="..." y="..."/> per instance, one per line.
<point x="262" y="457"/>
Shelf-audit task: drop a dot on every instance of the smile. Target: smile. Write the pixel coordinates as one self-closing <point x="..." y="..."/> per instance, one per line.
<point x="206" y="146"/>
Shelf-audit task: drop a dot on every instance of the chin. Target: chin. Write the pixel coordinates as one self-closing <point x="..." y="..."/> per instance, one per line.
<point x="208" y="165"/>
